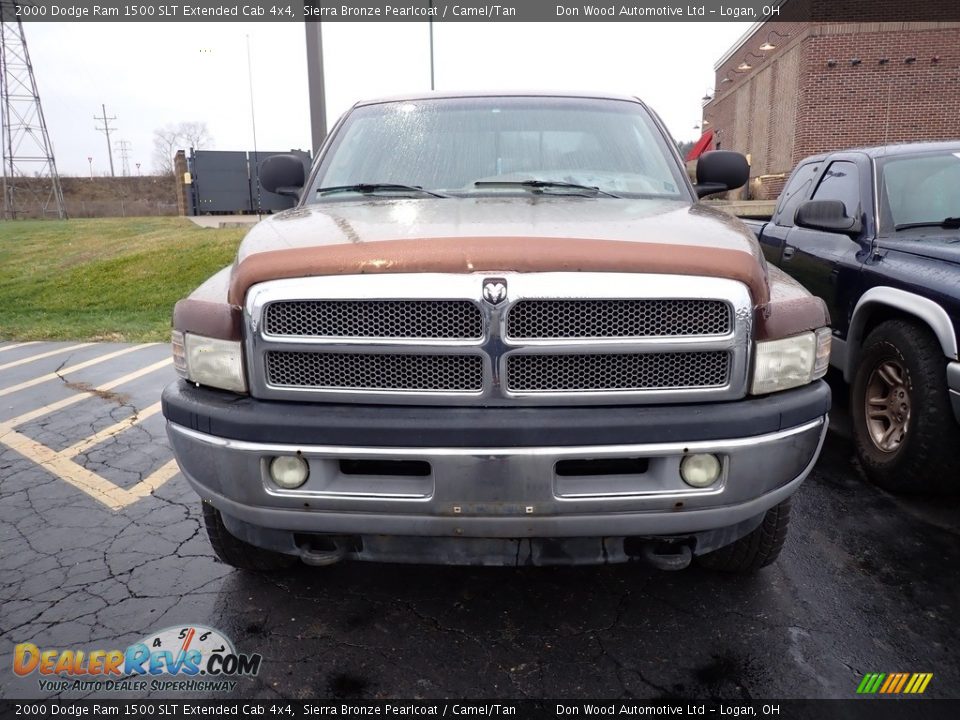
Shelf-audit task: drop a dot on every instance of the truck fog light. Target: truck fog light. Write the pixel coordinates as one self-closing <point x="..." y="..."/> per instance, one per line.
<point x="289" y="471"/>
<point x="701" y="470"/>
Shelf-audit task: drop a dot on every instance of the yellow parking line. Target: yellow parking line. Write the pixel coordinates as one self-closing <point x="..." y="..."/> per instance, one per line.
<point x="152" y="482"/>
<point x="41" y="356"/>
<point x="60" y="464"/>
<point x="115" y="429"/>
<point x="17" y="345"/>
<point x="67" y="470"/>
<point x="9" y="425"/>
<point x="73" y="368"/>
<point x="100" y="489"/>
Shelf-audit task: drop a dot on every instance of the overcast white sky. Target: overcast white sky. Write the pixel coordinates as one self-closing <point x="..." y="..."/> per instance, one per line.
<point x="151" y="74"/>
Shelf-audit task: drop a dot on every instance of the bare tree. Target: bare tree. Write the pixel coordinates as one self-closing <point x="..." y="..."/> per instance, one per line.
<point x="180" y="136"/>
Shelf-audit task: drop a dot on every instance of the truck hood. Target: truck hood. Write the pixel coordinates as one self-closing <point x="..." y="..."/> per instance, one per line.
<point x="529" y="234"/>
<point x="946" y="247"/>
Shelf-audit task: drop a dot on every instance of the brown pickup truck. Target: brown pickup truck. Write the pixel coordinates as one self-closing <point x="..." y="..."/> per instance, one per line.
<point x="499" y="329"/>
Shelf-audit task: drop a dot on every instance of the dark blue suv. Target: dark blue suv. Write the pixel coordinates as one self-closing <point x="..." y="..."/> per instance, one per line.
<point x="875" y="232"/>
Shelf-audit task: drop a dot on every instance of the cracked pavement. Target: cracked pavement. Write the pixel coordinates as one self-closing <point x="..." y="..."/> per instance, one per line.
<point x="868" y="582"/>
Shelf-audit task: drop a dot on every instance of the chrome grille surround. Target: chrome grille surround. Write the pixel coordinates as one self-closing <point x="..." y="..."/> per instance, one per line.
<point x="704" y="339"/>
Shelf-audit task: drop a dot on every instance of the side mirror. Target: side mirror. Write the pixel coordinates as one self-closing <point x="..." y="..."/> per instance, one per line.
<point x="721" y="170"/>
<point x="826" y="215"/>
<point x="282" y="174"/>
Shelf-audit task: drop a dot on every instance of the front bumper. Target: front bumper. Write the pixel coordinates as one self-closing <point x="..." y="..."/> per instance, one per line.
<point x="463" y="499"/>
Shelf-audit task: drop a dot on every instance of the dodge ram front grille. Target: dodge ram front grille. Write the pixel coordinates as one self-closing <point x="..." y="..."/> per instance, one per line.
<point x="355" y="371"/>
<point x="374" y="319"/>
<point x="544" y="319"/>
<point x="499" y="339"/>
<point x="617" y="371"/>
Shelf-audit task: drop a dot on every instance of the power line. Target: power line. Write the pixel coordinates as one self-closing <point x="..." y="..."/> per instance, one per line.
<point x="106" y="131"/>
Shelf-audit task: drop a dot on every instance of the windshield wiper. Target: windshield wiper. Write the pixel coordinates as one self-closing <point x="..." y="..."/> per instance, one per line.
<point x="543" y="184"/>
<point x="951" y="223"/>
<point x="371" y="188"/>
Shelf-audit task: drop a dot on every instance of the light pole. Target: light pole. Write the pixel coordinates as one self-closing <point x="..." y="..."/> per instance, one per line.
<point x="316" y="84"/>
<point x="431" y="46"/>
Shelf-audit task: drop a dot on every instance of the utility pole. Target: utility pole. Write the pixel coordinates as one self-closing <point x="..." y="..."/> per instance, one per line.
<point x="106" y="131"/>
<point x="123" y="147"/>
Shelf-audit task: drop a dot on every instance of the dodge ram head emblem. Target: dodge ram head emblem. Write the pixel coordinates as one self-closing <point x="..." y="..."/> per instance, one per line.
<point x="494" y="290"/>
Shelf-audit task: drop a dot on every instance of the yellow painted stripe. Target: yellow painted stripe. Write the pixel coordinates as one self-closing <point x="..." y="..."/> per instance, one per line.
<point x="68" y="401"/>
<point x="887" y="682"/>
<point x="100" y="489"/>
<point x="914" y="682"/>
<point x="115" y="429"/>
<point x="926" y="681"/>
<point x="58" y="463"/>
<point x="902" y="681"/>
<point x="81" y="478"/>
<point x="151" y="483"/>
<point x="16" y="345"/>
<point x="41" y="356"/>
<point x="73" y="368"/>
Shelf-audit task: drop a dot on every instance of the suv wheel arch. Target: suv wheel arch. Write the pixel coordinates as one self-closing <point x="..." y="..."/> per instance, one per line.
<point x="902" y="303"/>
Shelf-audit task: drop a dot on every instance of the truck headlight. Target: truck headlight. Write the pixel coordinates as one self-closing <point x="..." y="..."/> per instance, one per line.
<point x="209" y="361"/>
<point x="790" y="362"/>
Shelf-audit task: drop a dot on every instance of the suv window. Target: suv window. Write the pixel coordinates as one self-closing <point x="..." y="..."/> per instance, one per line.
<point x="919" y="189"/>
<point x="841" y="182"/>
<point x="794" y="193"/>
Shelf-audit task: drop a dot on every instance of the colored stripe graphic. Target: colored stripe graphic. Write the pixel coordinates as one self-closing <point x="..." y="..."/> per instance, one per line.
<point x="894" y="683"/>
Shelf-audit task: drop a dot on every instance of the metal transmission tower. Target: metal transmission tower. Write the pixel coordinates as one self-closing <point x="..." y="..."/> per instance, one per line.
<point x="30" y="179"/>
<point x="123" y="148"/>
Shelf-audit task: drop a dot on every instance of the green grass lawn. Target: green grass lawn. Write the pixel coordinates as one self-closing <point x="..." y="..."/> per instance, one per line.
<point x="103" y="279"/>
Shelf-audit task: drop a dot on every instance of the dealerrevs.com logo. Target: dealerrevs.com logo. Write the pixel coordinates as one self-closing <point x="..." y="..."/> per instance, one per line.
<point x="191" y="658"/>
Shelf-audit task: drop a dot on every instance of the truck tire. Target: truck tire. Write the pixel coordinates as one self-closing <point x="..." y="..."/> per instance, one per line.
<point x="238" y="553"/>
<point x="755" y="550"/>
<point x="903" y="426"/>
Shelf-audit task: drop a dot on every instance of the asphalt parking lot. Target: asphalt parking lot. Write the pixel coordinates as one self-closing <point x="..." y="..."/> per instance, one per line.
<point x="101" y="543"/>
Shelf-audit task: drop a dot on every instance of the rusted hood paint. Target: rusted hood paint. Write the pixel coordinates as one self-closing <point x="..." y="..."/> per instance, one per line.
<point x="491" y="234"/>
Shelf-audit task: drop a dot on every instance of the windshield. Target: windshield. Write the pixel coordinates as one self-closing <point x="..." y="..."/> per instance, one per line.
<point x="448" y="145"/>
<point x="922" y="191"/>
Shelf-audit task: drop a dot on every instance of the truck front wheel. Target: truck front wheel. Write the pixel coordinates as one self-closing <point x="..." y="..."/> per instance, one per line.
<point x="903" y="426"/>
<point x="756" y="550"/>
<point x="238" y="553"/>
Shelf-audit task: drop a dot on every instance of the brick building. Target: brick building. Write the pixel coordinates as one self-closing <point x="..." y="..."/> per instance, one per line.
<point x="787" y="90"/>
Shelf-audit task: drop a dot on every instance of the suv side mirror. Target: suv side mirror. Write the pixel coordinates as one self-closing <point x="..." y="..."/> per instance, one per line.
<point x="826" y="215"/>
<point x="721" y="170"/>
<point x="282" y="174"/>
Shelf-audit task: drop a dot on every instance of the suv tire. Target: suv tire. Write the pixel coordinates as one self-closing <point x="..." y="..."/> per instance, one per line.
<point x="238" y="553"/>
<point x="903" y="426"/>
<point x="755" y="550"/>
